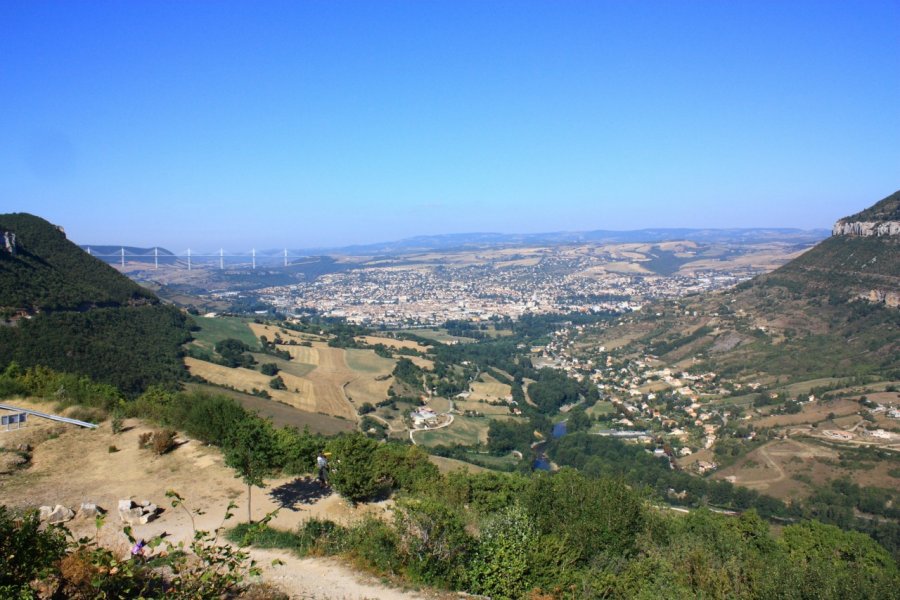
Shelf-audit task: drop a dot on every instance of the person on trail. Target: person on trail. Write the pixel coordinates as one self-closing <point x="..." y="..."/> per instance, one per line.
<point x="322" y="463"/>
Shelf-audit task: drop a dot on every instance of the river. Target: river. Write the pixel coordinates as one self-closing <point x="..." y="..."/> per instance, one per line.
<point x="540" y="459"/>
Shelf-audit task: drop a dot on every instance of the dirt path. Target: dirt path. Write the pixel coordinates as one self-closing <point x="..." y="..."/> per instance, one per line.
<point x="327" y="579"/>
<point x="764" y="452"/>
<point x="72" y="465"/>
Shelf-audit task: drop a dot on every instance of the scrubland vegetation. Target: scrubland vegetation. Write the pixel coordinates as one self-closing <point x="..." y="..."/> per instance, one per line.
<point x="572" y="534"/>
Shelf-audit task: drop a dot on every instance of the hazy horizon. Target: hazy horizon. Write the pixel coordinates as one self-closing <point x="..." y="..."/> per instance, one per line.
<point x="238" y="249"/>
<point x="315" y="125"/>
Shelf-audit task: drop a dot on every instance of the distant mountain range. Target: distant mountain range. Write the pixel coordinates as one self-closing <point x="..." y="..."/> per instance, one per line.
<point x="462" y="241"/>
<point x="452" y="241"/>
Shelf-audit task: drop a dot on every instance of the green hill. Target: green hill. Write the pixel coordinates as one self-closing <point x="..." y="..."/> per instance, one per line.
<point x="81" y="315"/>
<point x="885" y="210"/>
<point x="46" y="271"/>
<point x="832" y="312"/>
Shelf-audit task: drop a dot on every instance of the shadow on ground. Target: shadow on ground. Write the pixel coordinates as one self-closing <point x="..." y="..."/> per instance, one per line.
<point x="299" y="491"/>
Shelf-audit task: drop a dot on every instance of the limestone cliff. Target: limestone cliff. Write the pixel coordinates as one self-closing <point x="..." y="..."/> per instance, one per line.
<point x="866" y="228"/>
<point x="880" y="219"/>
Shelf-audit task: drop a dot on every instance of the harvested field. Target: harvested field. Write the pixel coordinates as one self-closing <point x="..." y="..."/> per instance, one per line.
<point x="654" y="386"/>
<point x="811" y="413"/>
<point x="281" y="414"/>
<point x="367" y="389"/>
<point x="439" y="404"/>
<point x="440" y="335"/>
<point x="489" y="389"/>
<point x="366" y="361"/>
<point x="270" y="331"/>
<point x="770" y="468"/>
<point x="310" y="395"/>
<point x="422" y="363"/>
<point x="392" y="343"/>
<point x="294" y="367"/>
<point x="482" y="407"/>
<point x="302" y="354"/>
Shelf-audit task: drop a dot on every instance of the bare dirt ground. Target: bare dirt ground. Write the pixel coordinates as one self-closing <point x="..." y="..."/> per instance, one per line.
<point x="811" y="413"/>
<point x="770" y="468"/>
<point x="71" y="465"/>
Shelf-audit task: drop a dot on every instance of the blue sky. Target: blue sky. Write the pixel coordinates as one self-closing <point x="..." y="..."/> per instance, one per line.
<point x="271" y="124"/>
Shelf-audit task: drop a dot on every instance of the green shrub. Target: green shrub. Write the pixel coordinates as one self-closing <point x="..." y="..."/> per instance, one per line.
<point x="353" y="474"/>
<point x="375" y="543"/>
<point x="321" y="536"/>
<point x="434" y="542"/>
<point x="91" y="415"/>
<point x="263" y="536"/>
<point x="501" y="566"/>
<point x="270" y="369"/>
<point x="26" y="551"/>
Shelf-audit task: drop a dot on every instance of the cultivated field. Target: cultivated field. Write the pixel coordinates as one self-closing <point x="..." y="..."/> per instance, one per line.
<point x="281" y="414"/>
<point x="302" y="354"/>
<point x="791" y="468"/>
<point x="448" y="465"/>
<point x="812" y="412"/>
<point x="464" y="430"/>
<point x="366" y="361"/>
<point x="440" y="335"/>
<point x="422" y="363"/>
<point x="300" y="393"/>
<point x="392" y="343"/>
<point x="482" y="407"/>
<point x="294" y="367"/>
<point x="368" y="371"/>
<point x="215" y="329"/>
<point x="439" y="404"/>
<point x="601" y="408"/>
<point x="488" y="388"/>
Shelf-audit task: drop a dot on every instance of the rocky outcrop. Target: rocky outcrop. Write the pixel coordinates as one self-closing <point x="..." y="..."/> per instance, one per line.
<point x="133" y="513"/>
<point x="89" y="510"/>
<point x="888" y="298"/>
<point x="866" y="228"/>
<point x="56" y="515"/>
<point x="9" y="242"/>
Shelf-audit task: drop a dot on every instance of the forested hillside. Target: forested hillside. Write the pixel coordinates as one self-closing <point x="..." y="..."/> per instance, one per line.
<point x="83" y="316"/>
<point x="45" y="271"/>
<point x="128" y="347"/>
<point x="887" y="209"/>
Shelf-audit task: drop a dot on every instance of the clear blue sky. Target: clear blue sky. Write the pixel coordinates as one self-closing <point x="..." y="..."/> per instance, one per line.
<point x="298" y="124"/>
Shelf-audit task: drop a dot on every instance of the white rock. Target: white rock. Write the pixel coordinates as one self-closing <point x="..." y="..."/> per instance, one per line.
<point x="60" y="514"/>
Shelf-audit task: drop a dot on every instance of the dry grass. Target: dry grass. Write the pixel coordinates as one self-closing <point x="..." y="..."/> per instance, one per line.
<point x="769" y="468"/>
<point x="482" y="407"/>
<point x="303" y="354"/>
<point x="489" y="389"/>
<point x="392" y="343"/>
<point x="448" y="465"/>
<point x="422" y="363"/>
<point x="304" y="393"/>
<point x="811" y="413"/>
